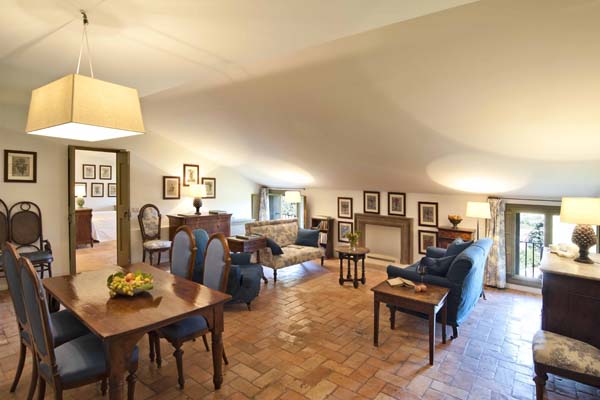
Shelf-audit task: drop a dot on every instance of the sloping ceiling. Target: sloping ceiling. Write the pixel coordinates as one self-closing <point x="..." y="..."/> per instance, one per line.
<point x="495" y="96"/>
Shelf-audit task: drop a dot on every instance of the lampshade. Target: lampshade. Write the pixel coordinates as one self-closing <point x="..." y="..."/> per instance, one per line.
<point x="79" y="191"/>
<point x="478" y="209"/>
<point x="580" y="210"/>
<point x="82" y="108"/>
<point x="292" y="196"/>
<point x="197" y="190"/>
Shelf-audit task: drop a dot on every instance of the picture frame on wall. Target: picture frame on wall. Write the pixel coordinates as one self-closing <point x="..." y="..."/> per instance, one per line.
<point x="171" y="188"/>
<point x="397" y="204"/>
<point x="345" y="210"/>
<point x="97" y="189"/>
<point x="112" y="189"/>
<point x="371" y="202"/>
<point x="427" y="239"/>
<point x="105" y="172"/>
<point x="20" y="166"/>
<point x="84" y="185"/>
<point x="88" y="171"/>
<point x="211" y="187"/>
<point x="191" y="174"/>
<point x="428" y="214"/>
<point x="344" y="228"/>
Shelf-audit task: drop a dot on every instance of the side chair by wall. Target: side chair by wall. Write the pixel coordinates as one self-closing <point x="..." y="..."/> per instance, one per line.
<point x="149" y="219"/>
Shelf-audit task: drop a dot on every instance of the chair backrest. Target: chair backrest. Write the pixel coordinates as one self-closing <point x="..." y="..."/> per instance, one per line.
<point x="38" y="318"/>
<point x="217" y="263"/>
<point x="201" y="237"/>
<point x="183" y="252"/>
<point x="11" y="270"/>
<point x="4" y="232"/>
<point x="25" y="223"/>
<point x="149" y="218"/>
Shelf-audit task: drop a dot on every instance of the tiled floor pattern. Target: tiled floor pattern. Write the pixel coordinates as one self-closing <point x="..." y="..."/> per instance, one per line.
<point x="102" y="254"/>
<point x="307" y="337"/>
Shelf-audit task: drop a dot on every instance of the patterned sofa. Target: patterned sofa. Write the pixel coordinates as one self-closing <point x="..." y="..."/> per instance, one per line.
<point x="284" y="232"/>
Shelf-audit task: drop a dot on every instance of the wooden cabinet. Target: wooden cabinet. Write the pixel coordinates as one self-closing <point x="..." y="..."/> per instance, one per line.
<point x="447" y="234"/>
<point x="211" y="223"/>
<point x="571" y="297"/>
<point x="83" y="219"/>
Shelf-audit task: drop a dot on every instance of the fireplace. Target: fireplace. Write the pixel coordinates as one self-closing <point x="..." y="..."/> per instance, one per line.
<point x="406" y="231"/>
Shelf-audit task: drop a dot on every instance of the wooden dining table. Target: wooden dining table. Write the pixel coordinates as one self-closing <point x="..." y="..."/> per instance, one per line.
<point x="122" y="321"/>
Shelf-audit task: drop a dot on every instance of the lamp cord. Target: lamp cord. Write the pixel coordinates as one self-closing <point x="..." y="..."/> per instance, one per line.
<point x="84" y="37"/>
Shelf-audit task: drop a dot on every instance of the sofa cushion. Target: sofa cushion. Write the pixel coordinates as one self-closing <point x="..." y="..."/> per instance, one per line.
<point x="457" y="247"/>
<point x="308" y="237"/>
<point x="275" y="248"/>
<point x="437" y="266"/>
<point x="559" y="351"/>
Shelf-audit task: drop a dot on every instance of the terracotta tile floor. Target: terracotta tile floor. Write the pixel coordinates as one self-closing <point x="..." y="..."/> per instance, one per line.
<point x="307" y="337"/>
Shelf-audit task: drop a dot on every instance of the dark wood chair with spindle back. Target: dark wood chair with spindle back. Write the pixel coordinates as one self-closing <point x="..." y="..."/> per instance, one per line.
<point x="149" y="218"/>
<point x="4" y="232"/>
<point x="26" y="232"/>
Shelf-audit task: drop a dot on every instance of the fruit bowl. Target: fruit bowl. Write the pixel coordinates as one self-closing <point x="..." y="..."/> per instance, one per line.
<point x="455" y="220"/>
<point x="129" y="284"/>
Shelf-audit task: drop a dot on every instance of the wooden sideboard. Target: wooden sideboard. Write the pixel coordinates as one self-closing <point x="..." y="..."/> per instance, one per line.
<point x="571" y="297"/>
<point x="447" y="234"/>
<point x="83" y="219"/>
<point x="211" y="223"/>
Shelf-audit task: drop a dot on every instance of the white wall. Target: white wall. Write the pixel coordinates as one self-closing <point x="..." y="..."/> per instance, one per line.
<point x="96" y="158"/>
<point x="324" y="202"/>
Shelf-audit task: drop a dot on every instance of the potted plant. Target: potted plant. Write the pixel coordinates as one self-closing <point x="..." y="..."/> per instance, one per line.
<point x="353" y="239"/>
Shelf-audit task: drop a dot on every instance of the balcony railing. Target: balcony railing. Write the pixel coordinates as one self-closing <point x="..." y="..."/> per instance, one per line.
<point x="530" y="256"/>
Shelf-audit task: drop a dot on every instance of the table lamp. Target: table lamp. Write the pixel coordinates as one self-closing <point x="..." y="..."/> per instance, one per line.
<point x="583" y="211"/>
<point x="292" y="197"/>
<point x="79" y="193"/>
<point x="478" y="209"/>
<point x="197" y="191"/>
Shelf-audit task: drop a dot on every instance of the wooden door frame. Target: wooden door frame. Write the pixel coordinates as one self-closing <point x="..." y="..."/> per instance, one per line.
<point x="123" y="186"/>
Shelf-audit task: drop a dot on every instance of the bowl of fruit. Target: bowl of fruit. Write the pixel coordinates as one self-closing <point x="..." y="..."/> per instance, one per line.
<point x="129" y="284"/>
<point x="455" y="220"/>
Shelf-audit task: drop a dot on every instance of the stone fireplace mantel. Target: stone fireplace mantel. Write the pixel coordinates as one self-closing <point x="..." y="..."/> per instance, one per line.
<point x="406" y="231"/>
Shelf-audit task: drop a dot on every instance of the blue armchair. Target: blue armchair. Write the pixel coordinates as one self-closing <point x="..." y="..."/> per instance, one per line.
<point x="464" y="279"/>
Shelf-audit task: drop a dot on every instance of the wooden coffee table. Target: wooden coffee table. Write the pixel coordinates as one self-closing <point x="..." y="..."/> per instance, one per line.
<point x="428" y="303"/>
<point x="346" y="253"/>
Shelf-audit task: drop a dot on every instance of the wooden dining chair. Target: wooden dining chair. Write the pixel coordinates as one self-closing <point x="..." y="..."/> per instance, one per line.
<point x="4" y="232"/>
<point x="76" y="363"/>
<point x="66" y="326"/>
<point x="217" y="263"/>
<point x="149" y="219"/>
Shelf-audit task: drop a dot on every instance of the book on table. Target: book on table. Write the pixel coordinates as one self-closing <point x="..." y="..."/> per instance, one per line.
<point x="399" y="281"/>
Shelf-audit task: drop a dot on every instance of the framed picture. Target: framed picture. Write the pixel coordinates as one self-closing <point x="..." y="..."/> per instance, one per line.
<point x="343" y="229"/>
<point x="345" y="207"/>
<point x="20" y="166"/>
<point x="97" y="189"/>
<point x="428" y="214"/>
<point x="171" y="187"/>
<point x="371" y="202"/>
<point x="88" y="171"/>
<point x="83" y="185"/>
<point x="112" y="189"/>
<point x="397" y="203"/>
<point x="105" y="172"/>
<point x="427" y="239"/>
<point x="191" y="174"/>
<point x="211" y="187"/>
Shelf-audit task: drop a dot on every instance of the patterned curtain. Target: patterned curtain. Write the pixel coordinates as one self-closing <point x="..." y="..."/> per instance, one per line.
<point x="263" y="204"/>
<point x="496" y="264"/>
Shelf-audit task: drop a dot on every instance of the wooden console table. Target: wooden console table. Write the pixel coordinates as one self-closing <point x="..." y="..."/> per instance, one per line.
<point x="447" y="235"/>
<point x="83" y="219"/>
<point x="211" y="223"/>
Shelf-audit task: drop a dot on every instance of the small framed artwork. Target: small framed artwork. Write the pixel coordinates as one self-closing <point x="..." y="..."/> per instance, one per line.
<point x="345" y="207"/>
<point x="88" y="171"/>
<point x="371" y="202"/>
<point x="20" y="166"/>
<point x="343" y="229"/>
<point x="105" y="172"/>
<point x="81" y="187"/>
<point x="97" y="189"/>
<point x="191" y="174"/>
<point x="428" y="214"/>
<point x="427" y="239"/>
<point x="211" y="187"/>
<point x="397" y="203"/>
<point x="112" y="189"/>
<point x="171" y="187"/>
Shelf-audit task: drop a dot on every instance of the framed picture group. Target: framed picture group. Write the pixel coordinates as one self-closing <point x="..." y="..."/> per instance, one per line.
<point x="171" y="185"/>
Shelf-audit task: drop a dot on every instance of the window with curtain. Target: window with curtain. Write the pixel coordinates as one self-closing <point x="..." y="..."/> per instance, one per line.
<point x="280" y="209"/>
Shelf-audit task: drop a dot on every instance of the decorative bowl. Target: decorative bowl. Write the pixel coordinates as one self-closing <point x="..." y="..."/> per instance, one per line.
<point x="455" y="220"/>
<point x="129" y="284"/>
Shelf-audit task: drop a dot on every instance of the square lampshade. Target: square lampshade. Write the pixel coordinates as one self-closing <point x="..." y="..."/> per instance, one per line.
<point x="292" y="196"/>
<point x="478" y="209"/>
<point x="82" y="108"/>
<point x="197" y="190"/>
<point x="80" y="191"/>
<point x="580" y="210"/>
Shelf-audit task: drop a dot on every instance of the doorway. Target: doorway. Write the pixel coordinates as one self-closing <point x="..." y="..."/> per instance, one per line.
<point x="99" y="228"/>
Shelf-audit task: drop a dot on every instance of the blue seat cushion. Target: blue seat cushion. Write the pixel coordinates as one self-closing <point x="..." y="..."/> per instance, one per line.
<point x="437" y="266"/>
<point x="39" y="257"/>
<point x="66" y="327"/>
<point x="275" y="248"/>
<point x="457" y="247"/>
<point x="184" y="328"/>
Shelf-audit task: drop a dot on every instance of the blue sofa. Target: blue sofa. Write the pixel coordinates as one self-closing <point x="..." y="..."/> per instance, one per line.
<point x="464" y="279"/>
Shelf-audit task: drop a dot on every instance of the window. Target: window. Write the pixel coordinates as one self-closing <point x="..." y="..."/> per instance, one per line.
<point x="279" y="208"/>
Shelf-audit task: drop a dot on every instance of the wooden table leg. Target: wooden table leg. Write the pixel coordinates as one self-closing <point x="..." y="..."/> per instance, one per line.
<point x="376" y="323"/>
<point x="341" y="271"/>
<point x="393" y="317"/>
<point x="431" y="336"/>
<point x="217" y="346"/>
<point x="348" y="276"/>
<point x="355" y="282"/>
<point x="444" y="320"/>
<point x="119" y="352"/>
<point x="363" y="280"/>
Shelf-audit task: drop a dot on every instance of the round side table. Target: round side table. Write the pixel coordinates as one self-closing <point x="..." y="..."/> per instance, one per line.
<point x="346" y="253"/>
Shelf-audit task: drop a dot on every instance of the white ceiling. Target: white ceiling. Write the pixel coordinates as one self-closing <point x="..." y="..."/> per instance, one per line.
<point x="493" y="96"/>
